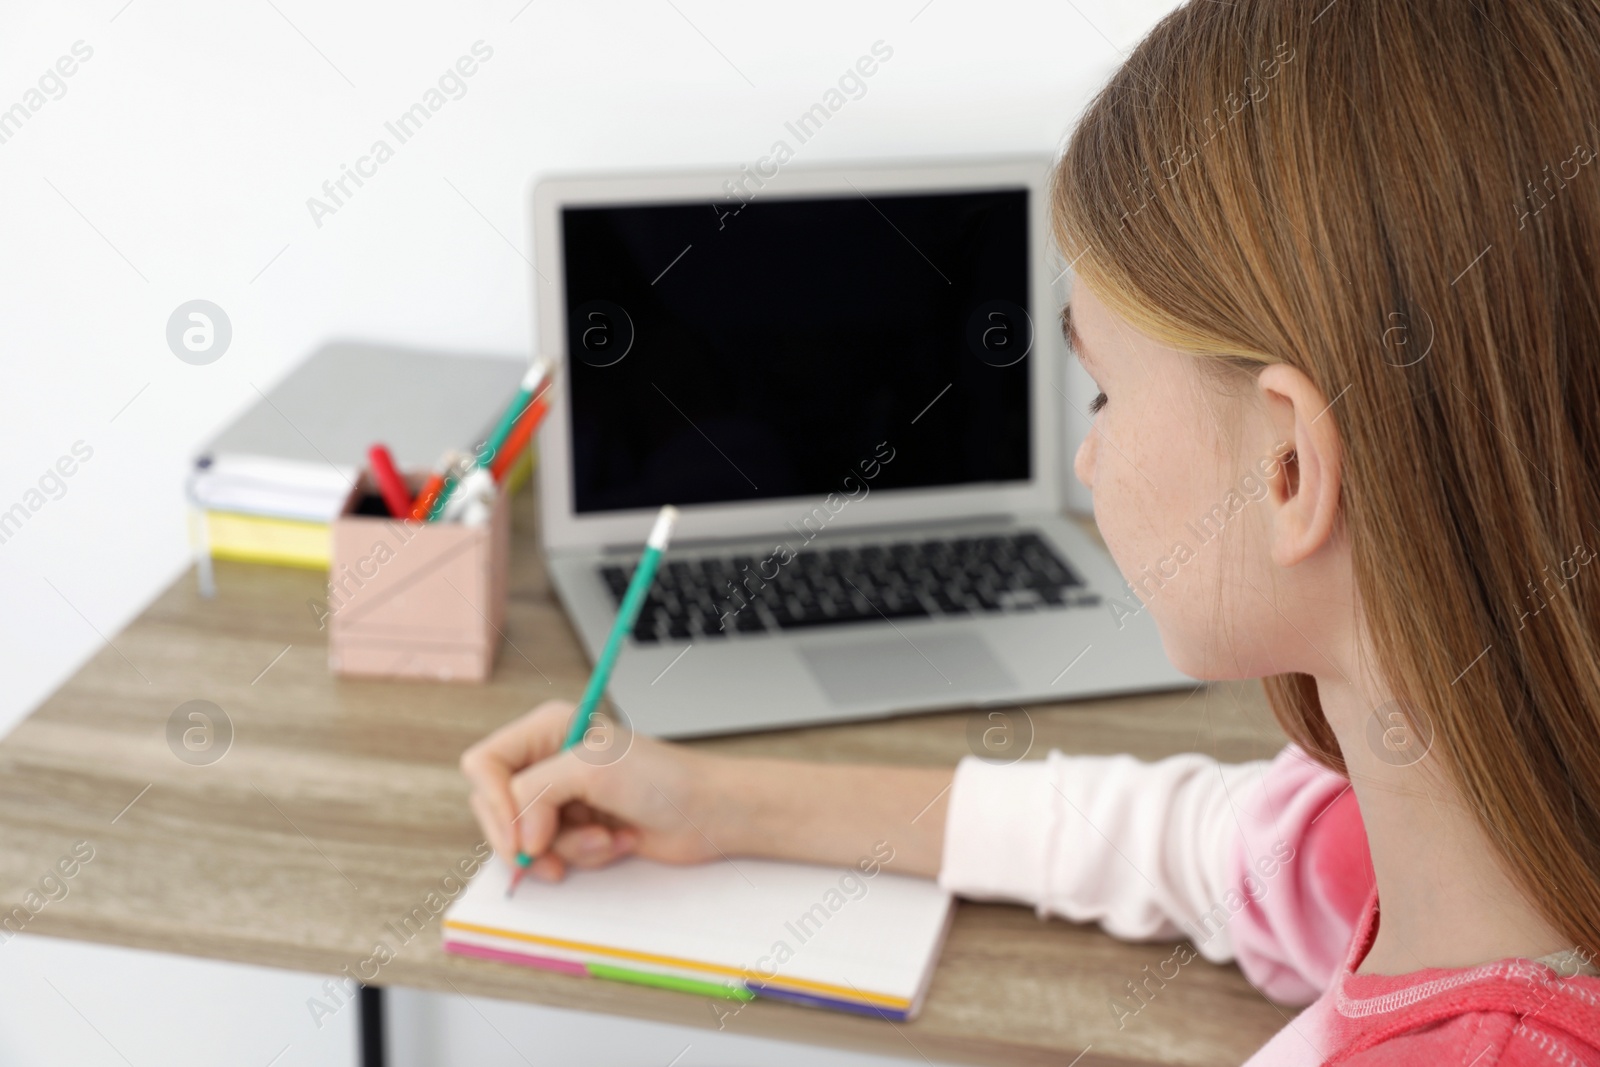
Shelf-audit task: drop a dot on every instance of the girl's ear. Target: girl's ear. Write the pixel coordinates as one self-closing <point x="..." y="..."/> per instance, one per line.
<point x="1304" y="489"/>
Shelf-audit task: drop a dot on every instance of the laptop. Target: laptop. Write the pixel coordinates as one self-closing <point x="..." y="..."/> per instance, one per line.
<point x="850" y="383"/>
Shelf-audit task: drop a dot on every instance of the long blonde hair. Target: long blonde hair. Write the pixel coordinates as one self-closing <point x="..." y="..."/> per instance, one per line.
<point x="1402" y="200"/>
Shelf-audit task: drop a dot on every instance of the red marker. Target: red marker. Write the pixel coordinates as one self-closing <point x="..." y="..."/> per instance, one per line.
<point x="393" y="487"/>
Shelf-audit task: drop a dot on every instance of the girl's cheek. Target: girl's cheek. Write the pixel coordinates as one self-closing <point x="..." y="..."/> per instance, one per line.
<point x="1083" y="462"/>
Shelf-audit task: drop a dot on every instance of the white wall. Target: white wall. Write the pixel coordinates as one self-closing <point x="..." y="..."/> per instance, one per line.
<point x="177" y="165"/>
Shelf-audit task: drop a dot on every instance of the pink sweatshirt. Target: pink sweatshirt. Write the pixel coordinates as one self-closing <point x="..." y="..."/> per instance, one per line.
<point x="1265" y="863"/>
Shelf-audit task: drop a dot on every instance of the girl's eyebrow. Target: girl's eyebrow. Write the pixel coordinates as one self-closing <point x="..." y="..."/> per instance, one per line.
<point x="1069" y="330"/>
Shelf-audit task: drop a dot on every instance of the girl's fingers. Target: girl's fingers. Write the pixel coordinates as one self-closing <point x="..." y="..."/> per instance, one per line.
<point x="583" y="846"/>
<point x="493" y="805"/>
<point x="532" y="798"/>
<point x="577" y="813"/>
<point x="495" y="828"/>
<point x="548" y="868"/>
<point x="540" y="793"/>
<point x="587" y="847"/>
<point x="539" y="733"/>
<point x="491" y="764"/>
<point x="623" y="843"/>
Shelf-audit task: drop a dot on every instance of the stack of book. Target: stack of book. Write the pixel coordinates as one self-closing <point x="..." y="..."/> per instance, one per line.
<point x="267" y="488"/>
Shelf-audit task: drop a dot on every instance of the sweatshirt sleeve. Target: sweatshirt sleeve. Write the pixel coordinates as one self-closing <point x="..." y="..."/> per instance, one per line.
<point x="1264" y="861"/>
<point x="1145" y="849"/>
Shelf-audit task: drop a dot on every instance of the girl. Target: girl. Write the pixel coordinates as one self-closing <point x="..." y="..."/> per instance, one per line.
<point x="1350" y="249"/>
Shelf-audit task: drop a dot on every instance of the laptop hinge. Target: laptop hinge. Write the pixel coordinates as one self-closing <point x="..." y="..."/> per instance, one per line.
<point x="796" y="537"/>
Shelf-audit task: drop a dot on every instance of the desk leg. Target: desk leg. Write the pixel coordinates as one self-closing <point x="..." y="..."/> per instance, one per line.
<point x="371" y="1024"/>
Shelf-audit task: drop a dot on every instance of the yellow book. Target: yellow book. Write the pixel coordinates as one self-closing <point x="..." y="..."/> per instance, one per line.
<point x="262" y="539"/>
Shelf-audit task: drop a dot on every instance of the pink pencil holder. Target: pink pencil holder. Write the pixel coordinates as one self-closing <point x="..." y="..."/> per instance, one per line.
<point x="417" y="599"/>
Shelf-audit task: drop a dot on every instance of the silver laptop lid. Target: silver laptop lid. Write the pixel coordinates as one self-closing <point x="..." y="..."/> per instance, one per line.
<point x="879" y="342"/>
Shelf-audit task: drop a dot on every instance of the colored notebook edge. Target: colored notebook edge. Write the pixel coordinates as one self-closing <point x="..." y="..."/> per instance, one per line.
<point x="742" y="991"/>
<point x="691" y="969"/>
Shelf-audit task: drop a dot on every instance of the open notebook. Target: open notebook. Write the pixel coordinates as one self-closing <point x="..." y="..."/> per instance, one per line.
<point x="822" y="936"/>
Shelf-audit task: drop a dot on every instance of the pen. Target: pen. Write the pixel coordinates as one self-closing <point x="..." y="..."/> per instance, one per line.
<point x="638" y="588"/>
<point x="396" y="497"/>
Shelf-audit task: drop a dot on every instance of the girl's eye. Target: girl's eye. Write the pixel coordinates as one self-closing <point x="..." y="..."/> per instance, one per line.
<point x="1097" y="403"/>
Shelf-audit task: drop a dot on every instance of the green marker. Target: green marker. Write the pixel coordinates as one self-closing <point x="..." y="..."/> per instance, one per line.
<point x="627" y="615"/>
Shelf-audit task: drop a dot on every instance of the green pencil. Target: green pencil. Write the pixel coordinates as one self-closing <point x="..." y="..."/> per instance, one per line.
<point x="627" y="615"/>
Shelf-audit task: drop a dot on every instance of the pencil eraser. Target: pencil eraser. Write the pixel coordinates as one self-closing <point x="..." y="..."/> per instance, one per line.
<point x="661" y="533"/>
<point x="538" y="371"/>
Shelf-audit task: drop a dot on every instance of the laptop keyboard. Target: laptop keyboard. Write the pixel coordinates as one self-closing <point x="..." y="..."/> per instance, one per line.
<point x="713" y="596"/>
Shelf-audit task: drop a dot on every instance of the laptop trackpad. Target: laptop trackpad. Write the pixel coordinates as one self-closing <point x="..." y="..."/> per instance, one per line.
<point x="893" y="669"/>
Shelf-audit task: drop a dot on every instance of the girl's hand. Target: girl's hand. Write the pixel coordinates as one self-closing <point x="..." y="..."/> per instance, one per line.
<point x="591" y="804"/>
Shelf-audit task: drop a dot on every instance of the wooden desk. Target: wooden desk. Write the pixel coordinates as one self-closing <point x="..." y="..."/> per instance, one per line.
<point x="339" y="806"/>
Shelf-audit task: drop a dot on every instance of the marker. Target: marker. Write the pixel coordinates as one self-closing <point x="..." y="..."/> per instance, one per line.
<point x="538" y="371"/>
<point x="638" y="588"/>
<point x="396" y="496"/>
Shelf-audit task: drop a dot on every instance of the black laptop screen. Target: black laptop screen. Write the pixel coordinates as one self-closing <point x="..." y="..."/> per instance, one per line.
<point x="773" y="352"/>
